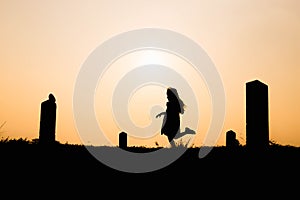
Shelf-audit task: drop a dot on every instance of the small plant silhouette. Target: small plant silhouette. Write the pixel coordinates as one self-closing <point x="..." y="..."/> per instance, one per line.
<point x="2" y="126"/>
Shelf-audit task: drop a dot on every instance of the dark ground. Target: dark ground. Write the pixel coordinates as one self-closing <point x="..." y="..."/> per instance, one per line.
<point x="70" y="170"/>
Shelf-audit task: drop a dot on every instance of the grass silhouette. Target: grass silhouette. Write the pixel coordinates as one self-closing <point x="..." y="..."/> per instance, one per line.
<point x="71" y="165"/>
<point x="31" y="149"/>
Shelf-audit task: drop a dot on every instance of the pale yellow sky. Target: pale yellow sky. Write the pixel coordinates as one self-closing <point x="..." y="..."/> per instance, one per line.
<point x="44" y="44"/>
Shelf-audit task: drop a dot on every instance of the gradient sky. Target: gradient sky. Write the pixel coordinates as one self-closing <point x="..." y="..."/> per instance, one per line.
<point x="44" y="44"/>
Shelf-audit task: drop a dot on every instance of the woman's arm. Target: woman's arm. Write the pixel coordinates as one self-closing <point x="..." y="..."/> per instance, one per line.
<point x="160" y="114"/>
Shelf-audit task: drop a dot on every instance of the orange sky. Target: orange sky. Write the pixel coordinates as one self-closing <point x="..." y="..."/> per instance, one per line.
<point x="45" y="43"/>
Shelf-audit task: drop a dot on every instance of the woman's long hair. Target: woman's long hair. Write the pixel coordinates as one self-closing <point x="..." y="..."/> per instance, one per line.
<point x="173" y="96"/>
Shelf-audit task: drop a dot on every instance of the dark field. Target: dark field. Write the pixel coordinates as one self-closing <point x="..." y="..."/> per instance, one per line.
<point x="223" y="172"/>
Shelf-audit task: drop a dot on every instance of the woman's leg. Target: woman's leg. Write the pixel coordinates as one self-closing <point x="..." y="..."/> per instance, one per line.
<point x="171" y="141"/>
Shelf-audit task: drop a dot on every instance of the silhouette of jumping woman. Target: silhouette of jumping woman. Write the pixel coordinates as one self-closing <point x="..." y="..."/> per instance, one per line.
<point x="171" y="121"/>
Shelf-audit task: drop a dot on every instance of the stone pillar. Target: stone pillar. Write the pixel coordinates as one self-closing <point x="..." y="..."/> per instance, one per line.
<point x="48" y="120"/>
<point x="257" y="115"/>
<point x="123" y="140"/>
<point x="231" y="141"/>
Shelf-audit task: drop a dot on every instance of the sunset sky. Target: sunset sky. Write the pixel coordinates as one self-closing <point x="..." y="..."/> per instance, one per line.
<point x="45" y="43"/>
